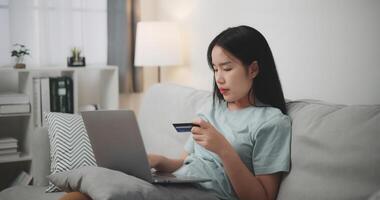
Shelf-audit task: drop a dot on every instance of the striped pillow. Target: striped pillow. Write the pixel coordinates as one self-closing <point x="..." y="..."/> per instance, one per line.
<point x="70" y="147"/>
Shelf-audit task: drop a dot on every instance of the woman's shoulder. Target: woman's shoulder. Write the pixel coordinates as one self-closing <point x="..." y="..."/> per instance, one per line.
<point x="272" y="116"/>
<point x="267" y="111"/>
<point x="270" y="111"/>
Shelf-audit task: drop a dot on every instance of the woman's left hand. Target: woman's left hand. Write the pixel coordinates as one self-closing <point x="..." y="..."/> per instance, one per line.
<point x="207" y="136"/>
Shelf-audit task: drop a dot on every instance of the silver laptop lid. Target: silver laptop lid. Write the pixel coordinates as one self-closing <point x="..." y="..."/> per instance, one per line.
<point x="117" y="143"/>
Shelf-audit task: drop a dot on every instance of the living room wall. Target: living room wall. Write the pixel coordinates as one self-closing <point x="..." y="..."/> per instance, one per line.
<point x="325" y="50"/>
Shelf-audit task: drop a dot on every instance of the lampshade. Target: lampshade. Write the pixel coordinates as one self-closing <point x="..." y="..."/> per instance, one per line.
<point x="157" y="44"/>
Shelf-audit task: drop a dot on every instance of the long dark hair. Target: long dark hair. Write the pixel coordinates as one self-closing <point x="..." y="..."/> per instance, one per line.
<point x="249" y="45"/>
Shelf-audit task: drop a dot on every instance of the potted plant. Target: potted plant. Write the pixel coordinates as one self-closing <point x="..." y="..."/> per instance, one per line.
<point x="75" y="53"/>
<point x="76" y="60"/>
<point x="19" y="52"/>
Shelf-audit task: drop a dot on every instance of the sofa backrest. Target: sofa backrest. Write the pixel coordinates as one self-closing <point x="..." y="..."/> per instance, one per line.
<point x="335" y="148"/>
<point x="162" y="105"/>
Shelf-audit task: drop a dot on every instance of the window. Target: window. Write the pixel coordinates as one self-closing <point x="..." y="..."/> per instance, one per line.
<point x="50" y="28"/>
<point x="4" y="33"/>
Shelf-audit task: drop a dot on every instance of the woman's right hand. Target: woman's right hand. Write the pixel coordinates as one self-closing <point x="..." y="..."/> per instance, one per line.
<point x="164" y="164"/>
<point x="154" y="160"/>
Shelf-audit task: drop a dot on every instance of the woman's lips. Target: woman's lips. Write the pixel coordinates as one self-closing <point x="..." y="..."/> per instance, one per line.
<point x="223" y="91"/>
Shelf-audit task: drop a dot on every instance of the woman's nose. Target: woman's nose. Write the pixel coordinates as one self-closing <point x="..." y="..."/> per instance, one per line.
<point x="219" y="78"/>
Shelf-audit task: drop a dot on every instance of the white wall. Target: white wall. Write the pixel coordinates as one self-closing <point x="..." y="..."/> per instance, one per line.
<point x="327" y="50"/>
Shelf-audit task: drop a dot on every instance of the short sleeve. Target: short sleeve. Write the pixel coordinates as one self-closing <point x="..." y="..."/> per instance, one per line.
<point x="189" y="145"/>
<point x="271" y="152"/>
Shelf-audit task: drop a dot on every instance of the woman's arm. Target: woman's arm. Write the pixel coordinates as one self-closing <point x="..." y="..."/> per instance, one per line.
<point x="164" y="164"/>
<point x="245" y="184"/>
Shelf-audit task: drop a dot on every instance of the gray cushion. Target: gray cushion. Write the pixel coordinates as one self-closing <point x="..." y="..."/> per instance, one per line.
<point x="105" y="184"/>
<point x="29" y="193"/>
<point x="335" y="152"/>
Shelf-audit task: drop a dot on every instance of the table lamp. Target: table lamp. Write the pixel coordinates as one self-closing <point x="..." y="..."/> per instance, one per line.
<point x="157" y="45"/>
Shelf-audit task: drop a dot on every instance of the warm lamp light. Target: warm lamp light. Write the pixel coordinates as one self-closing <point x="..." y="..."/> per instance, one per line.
<point x="157" y="45"/>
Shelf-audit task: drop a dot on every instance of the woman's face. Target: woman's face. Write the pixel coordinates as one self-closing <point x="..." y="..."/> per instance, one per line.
<point x="232" y="79"/>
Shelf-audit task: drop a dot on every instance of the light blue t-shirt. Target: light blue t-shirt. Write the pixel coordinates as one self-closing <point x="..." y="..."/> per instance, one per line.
<point x="260" y="135"/>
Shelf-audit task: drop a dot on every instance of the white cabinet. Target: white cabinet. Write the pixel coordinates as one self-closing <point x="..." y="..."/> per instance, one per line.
<point x="91" y="85"/>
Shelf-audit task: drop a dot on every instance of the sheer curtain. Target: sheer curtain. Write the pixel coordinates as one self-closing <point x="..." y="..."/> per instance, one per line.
<point x="50" y="28"/>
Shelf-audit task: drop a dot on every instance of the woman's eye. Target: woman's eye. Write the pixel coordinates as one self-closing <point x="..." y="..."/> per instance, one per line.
<point x="215" y="70"/>
<point x="228" y="69"/>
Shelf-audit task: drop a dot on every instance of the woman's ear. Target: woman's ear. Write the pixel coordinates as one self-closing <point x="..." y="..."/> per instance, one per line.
<point x="253" y="69"/>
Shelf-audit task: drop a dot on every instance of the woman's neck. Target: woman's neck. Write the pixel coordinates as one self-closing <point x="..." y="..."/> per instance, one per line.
<point x="241" y="103"/>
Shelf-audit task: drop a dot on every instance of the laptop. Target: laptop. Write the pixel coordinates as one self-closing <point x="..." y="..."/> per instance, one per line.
<point x="117" y="144"/>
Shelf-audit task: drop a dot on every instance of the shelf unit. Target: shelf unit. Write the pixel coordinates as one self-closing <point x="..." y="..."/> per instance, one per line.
<point x="20" y="159"/>
<point x="91" y="85"/>
<point x="15" y="115"/>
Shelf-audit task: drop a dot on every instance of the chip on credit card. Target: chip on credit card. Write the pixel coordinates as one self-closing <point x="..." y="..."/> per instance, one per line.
<point x="184" y="127"/>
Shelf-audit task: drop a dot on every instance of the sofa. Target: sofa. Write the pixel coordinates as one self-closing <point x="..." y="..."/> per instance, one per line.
<point x="335" y="149"/>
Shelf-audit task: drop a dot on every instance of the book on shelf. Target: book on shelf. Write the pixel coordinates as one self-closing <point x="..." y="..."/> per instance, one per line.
<point x="70" y="95"/>
<point x="52" y="94"/>
<point x="37" y="102"/>
<point x="14" y="98"/>
<point x="7" y="140"/>
<point x="10" y="156"/>
<point x="61" y="91"/>
<point x="8" y="145"/>
<point x="14" y="108"/>
<point x="8" y="151"/>
<point x="45" y="98"/>
<point x="45" y="94"/>
<point x="22" y="179"/>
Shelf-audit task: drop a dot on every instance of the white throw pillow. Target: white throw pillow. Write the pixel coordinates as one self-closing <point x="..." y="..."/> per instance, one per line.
<point x="70" y="147"/>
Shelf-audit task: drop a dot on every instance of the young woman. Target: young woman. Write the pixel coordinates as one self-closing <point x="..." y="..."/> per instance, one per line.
<point x="243" y="140"/>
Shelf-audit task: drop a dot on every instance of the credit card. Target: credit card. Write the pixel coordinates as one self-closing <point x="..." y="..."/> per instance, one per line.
<point x="184" y="127"/>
